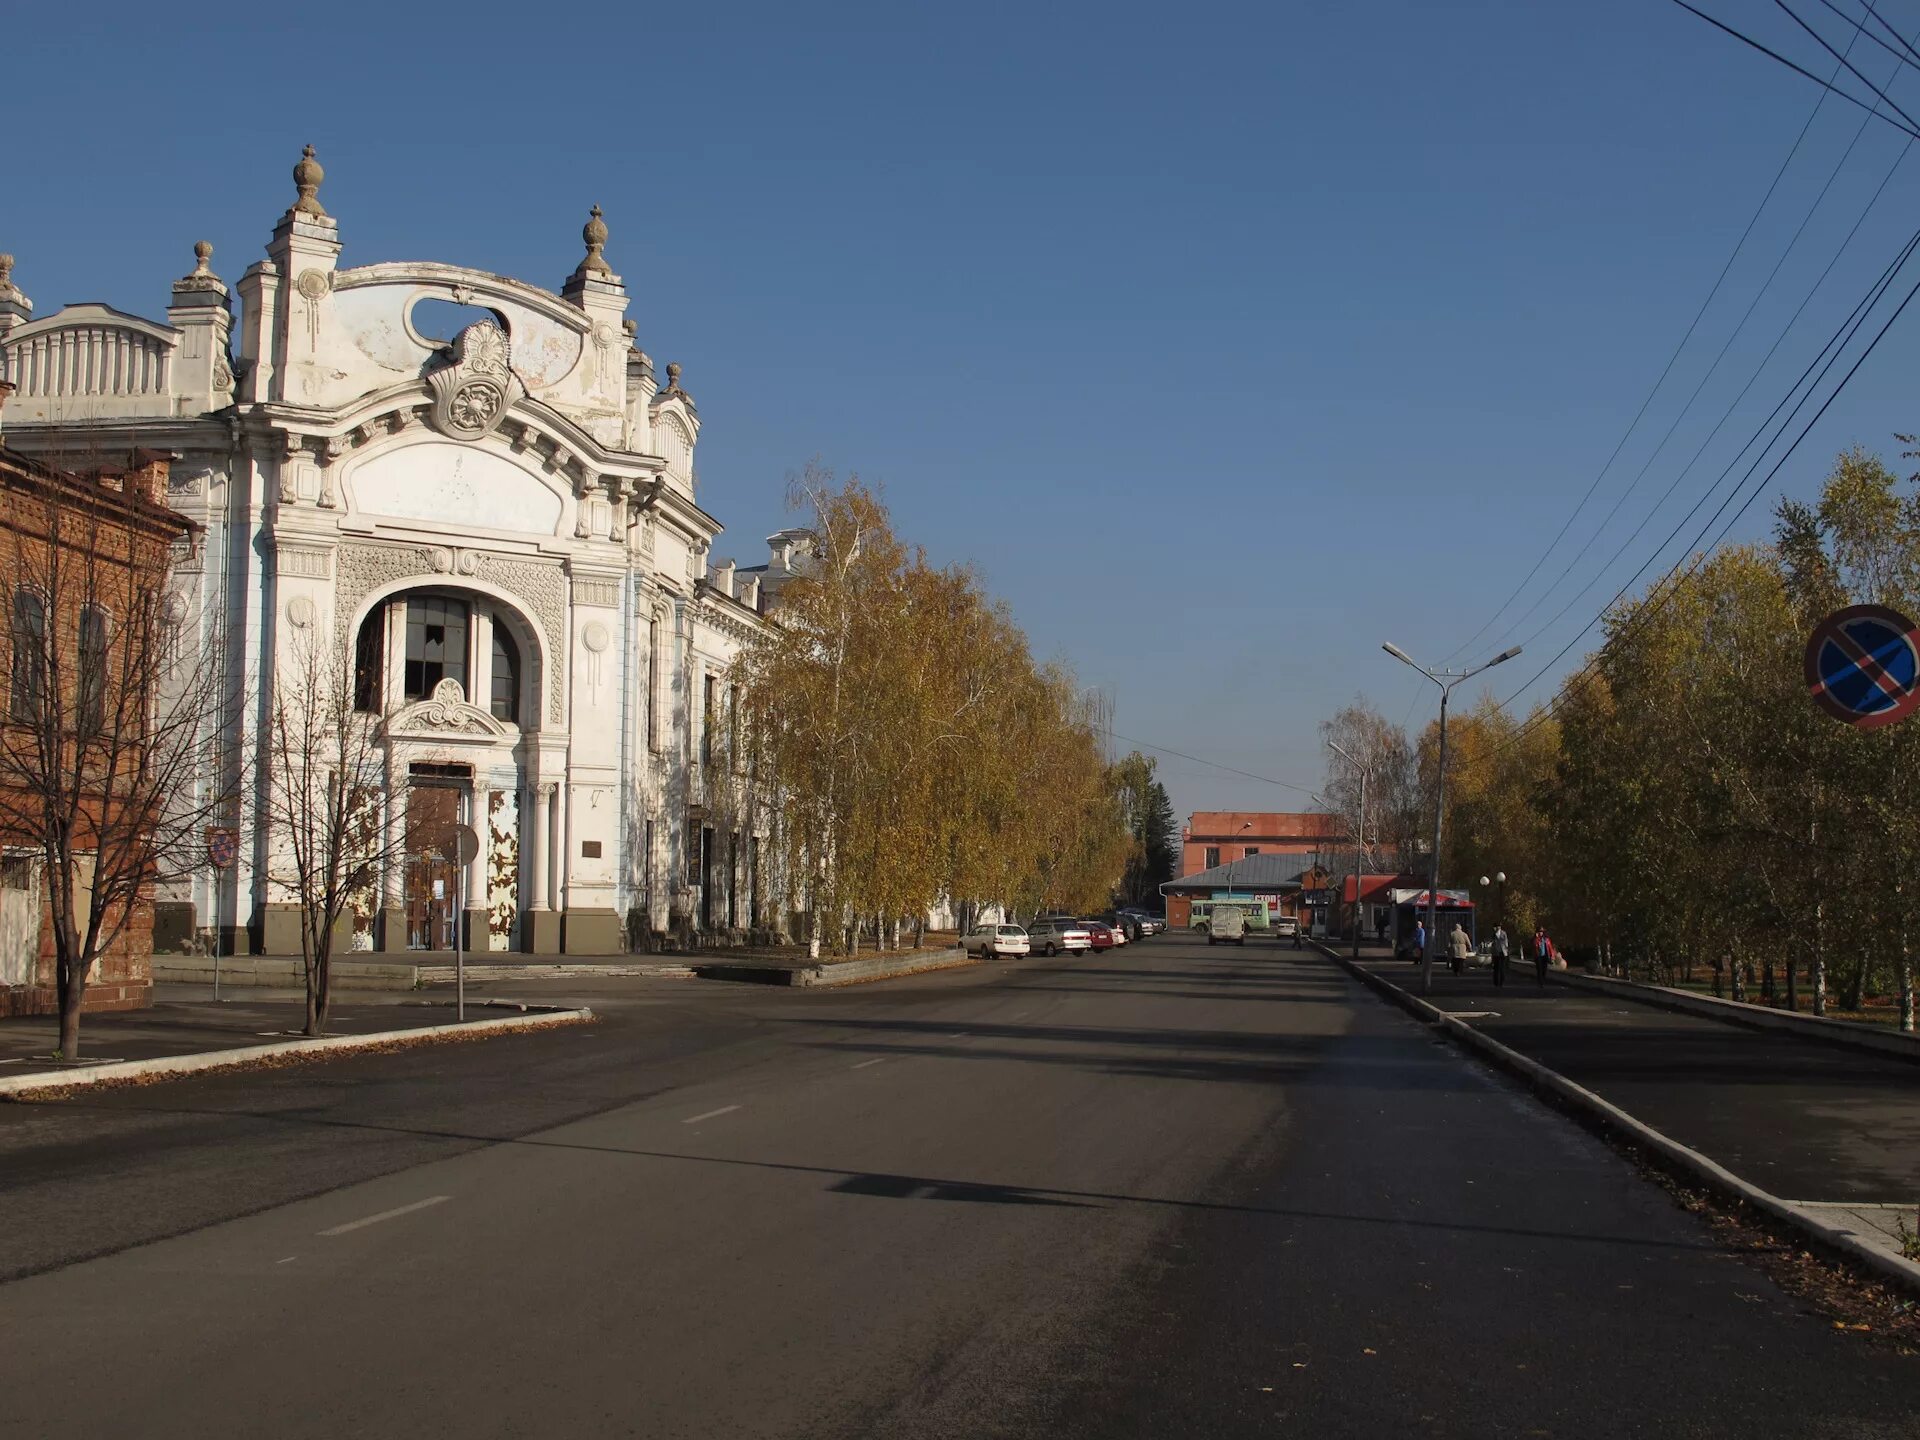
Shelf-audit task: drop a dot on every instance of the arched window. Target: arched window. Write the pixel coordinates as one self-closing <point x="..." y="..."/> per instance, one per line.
<point x="368" y="651"/>
<point x="436" y="643"/>
<point x="28" y="692"/>
<point x="506" y="674"/>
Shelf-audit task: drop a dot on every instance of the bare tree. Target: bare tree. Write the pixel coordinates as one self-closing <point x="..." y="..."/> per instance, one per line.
<point x="335" y="819"/>
<point x="110" y="743"/>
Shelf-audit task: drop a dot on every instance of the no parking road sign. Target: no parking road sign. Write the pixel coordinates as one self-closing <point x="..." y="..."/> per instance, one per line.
<point x="1863" y="666"/>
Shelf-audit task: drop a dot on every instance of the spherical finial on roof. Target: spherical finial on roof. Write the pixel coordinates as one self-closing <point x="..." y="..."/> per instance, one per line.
<point x="673" y="375"/>
<point x="594" y="232"/>
<point x="307" y="176"/>
<point x="202" y="253"/>
<point x="6" y="272"/>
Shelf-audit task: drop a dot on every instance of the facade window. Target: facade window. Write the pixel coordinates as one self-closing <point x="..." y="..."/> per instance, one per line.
<point x="653" y="683"/>
<point x="1250" y="850"/>
<point x="92" y="689"/>
<point x="436" y="643"/>
<point x="28" y="690"/>
<point x="733" y="880"/>
<point x="506" y="675"/>
<point x="1213" y="857"/>
<point x="646" y="870"/>
<point x="367" y="670"/>
<point x="710" y="688"/>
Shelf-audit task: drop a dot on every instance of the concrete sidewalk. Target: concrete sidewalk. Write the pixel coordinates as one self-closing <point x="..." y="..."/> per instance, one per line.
<point x="1825" y="1127"/>
<point x="198" y="1026"/>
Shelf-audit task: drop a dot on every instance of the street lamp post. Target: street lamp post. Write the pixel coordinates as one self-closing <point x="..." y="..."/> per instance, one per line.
<point x="1499" y="879"/>
<point x="1446" y="680"/>
<point x="1359" y="839"/>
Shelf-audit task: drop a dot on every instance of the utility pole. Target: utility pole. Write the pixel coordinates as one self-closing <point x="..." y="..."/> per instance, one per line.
<point x="1359" y="839"/>
<point x="1446" y="680"/>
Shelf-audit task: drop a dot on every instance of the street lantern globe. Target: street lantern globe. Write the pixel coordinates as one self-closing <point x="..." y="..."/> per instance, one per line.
<point x="1501" y="876"/>
<point x="1485" y="881"/>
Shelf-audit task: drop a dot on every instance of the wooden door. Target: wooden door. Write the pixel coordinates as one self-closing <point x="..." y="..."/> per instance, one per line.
<point x="432" y="813"/>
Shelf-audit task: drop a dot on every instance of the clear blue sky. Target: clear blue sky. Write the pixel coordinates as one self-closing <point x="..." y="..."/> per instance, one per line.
<point x="1228" y="340"/>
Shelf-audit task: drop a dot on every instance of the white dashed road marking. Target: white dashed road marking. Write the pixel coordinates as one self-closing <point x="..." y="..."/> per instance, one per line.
<point x="865" y="1063"/>
<point x="387" y="1215"/>
<point x="709" y="1114"/>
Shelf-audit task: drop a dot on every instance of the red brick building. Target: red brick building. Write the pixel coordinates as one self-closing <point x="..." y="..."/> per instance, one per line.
<point x="116" y="512"/>
<point x="1219" y="837"/>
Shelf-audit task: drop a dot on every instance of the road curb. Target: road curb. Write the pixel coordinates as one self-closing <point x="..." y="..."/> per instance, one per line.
<point x="1690" y="1162"/>
<point x="14" y="1086"/>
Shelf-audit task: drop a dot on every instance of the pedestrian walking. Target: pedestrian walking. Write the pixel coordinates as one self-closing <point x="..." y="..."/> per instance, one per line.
<point x="1501" y="946"/>
<point x="1542" y="955"/>
<point x="1380" y="930"/>
<point x="1419" y="941"/>
<point x="1462" y="949"/>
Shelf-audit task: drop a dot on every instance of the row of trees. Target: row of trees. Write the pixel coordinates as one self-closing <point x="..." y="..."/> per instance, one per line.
<point x="920" y="751"/>
<point x="1685" y="808"/>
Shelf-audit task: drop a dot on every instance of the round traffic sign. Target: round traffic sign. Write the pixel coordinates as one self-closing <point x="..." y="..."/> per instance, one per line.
<point x="223" y="847"/>
<point x="466" y="844"/>
<point x="1863" y="666"/>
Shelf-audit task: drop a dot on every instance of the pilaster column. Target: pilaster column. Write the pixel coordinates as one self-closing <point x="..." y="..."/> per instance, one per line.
<point x="541" y="876"/>
<point x="556" y="877"/>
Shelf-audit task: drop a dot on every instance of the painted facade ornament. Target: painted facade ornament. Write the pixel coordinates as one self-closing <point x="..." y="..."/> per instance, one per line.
<point x="472" y="393"/>
<point x="301" y="612"/>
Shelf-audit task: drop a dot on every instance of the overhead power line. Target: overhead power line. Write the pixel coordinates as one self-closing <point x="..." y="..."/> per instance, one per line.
<point x="1849" y="97"/>
<point x="1214" y="764"/>
<point x="1850" y="67"/>
<point x="1664" y="589"/>
<point x="1734" y="404"/>
<point x="1640" y="414"/>
<point x="1905" y="54"/>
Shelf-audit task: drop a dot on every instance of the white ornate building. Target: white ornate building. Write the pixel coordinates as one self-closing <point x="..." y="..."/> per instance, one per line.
<point x="499" y="510"/>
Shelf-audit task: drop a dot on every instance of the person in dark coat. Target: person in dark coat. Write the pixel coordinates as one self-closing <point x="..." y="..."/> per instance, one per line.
<point x="1542" y="955"/>
<point x="1501" y="947"/>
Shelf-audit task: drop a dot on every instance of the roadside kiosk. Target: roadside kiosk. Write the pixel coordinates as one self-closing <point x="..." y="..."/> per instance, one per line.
<point x="1410" y="909"/>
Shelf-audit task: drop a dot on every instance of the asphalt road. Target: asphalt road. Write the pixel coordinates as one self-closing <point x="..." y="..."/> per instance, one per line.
<point x="1165" y="1192"/>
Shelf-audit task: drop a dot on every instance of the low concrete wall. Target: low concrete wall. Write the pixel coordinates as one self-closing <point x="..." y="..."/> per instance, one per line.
<point x="814" y="974"/>
<point x="275" y="972"/>
<point x="881" y="967"/>
<point x="1759" y="1017"/>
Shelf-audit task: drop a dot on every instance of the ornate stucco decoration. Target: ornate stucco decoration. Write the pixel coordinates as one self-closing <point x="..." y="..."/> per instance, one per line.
<point x="446" y="712"/>
<point x="472" y="393"/>
<point x="540" y="585"/>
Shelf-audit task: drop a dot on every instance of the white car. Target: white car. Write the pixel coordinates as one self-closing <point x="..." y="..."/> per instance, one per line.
<point x="1055" y="937"/>
<point x="992" y="941"/>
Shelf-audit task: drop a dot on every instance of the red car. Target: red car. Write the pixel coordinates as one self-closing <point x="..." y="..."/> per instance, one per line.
<point x="1099" y="933"/>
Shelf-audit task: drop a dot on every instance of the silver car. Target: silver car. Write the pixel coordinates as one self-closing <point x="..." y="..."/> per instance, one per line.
<point x="1058" y="937"/>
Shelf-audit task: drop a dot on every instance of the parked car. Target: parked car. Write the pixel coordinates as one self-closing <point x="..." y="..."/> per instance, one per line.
<point x="997" y="942"/>
<point x="1286" y="927"/>
<point x="1099" y="933"/>
<point x="1227" y="924"/>
<point x="1129" y="923"/>
<point x="1150" y="923"/>
<point x="1058" y="937"/>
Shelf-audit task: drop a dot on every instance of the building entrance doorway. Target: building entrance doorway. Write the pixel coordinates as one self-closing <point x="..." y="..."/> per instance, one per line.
<point x="432" y="813"/>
